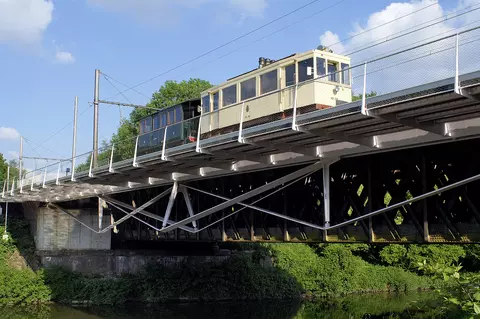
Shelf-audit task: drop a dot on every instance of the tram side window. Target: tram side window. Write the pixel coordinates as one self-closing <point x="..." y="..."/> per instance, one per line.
<point x="248" y="89"/>
<point x="290" y="75"/>
<point x="321" y="70"/>
<point x="145" y="125"/>
<point x="305" y="70"/>
<point x="268" y="82"/>
<point x="216" y="97"/>
<point x="230" y="95"/>
<point x="206" y="103"/>
<point x="178" y="114"/>
<point x="171" y="119"/>
<point x="333" y="71"/>
<point x="163" y="119"/>
<point x="345" y="74"/>
<point x="156" y="121"/>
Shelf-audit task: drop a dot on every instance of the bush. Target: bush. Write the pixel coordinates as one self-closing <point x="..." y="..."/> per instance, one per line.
<point x="334" y="270"/>
<point x="22" y="287"/>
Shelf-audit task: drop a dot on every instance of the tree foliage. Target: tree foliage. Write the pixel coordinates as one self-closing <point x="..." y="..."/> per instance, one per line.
<point x="169" y="94"/>
<point x="356" y="97"/>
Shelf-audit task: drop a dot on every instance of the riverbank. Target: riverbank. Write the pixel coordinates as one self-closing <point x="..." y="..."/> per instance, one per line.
<point x="267" y="272"/>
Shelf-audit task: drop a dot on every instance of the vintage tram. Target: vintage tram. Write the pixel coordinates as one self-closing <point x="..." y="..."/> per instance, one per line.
<point x="312" y="80"/>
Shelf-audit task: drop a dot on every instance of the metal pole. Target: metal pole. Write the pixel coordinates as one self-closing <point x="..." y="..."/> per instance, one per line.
<point x="326" y="199"/>
<point x="74" y="145"/>
<point x="96" y="98"/>
<point x="20" y="159"/>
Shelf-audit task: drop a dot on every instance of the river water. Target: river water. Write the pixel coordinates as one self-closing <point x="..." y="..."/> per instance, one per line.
<point x="418" y="305"/>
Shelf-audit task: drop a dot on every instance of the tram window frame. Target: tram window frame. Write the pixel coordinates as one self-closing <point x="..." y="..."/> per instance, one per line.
<point x="206" y="103"/>
<point x="163" y="119"/>
<point x="156" y="121"/>
<point x="321" y="67"/>
<point x="229" y="95"/>
<point x="178" y="114"/>
<point x="244" y="90"/>
<point x="144" y="127"/>
<point x="216" y="101"/>
<point x="333" y="76"/>
<point x="293" y="75"/>
<point x="271" y="84"/>
<point x="303" y="70"/>
<point x="345" y="67"/>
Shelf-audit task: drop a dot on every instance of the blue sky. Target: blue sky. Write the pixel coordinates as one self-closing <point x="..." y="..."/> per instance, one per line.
<point x="50" y="49"/>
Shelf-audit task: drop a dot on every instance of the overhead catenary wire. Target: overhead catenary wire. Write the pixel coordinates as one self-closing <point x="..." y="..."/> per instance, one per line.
<point x="383" y="24"/>
<point x="358" y="49"/>
<point x="224" y="45"/>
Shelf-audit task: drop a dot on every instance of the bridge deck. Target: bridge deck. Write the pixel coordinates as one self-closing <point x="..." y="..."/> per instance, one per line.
<point x="418" y="116"/>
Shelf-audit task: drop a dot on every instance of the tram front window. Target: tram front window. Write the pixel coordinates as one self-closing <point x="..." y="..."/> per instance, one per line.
<point x="333" y="71"/>
<point x="320" y="67"/>
<point x="345" y="74"/>
<point x="305" y="70"/>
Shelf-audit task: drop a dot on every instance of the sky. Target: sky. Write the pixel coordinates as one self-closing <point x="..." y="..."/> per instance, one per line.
<point x="49" y="51"/>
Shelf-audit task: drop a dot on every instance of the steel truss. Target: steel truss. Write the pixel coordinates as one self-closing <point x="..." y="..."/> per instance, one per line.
<point x="280" y="184"/>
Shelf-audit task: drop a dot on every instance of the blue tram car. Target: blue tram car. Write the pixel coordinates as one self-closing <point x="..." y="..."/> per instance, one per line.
<point x="176" y="125"/>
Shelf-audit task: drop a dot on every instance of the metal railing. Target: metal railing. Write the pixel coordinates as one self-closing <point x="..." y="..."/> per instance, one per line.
<point x="446" y="57"/>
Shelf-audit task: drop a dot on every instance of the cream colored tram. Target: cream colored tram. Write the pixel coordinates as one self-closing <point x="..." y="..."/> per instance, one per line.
<point x="319" y="78"/>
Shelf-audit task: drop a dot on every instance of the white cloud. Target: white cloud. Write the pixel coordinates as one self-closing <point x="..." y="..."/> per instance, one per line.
<point x="24" y="21"/>
<point x="8" y="133"/>
<point x="64" y="57"/>
<point x="419" y="66"/>
<point x="169" y="11"/>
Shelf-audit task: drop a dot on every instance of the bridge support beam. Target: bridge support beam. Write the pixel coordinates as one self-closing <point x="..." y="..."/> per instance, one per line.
<point x="326" y="199"/>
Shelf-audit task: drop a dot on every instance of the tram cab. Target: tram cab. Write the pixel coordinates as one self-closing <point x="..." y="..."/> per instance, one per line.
<point x="316" y="79"/>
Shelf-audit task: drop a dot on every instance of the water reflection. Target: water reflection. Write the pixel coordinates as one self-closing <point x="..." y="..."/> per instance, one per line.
<point x="420" y="305"/>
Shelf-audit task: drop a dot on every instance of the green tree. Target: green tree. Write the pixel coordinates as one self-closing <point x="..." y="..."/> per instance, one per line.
<point x="356" y="97"/>
<point x="169" y="94"/>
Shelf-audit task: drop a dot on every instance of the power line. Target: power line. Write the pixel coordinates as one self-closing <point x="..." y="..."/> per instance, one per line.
<point x="383" y="24"/>
<point x="60" y="130"/>
<point x="121" y="83"/>
<point x="221" y="46"/>
<point x="408" y="33"/>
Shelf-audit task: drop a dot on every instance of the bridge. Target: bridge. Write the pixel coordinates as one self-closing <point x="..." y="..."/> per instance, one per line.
<point x="397" y="167"/>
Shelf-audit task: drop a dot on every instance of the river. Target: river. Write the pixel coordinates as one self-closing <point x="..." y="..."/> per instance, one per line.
<point x="417" y="305"/>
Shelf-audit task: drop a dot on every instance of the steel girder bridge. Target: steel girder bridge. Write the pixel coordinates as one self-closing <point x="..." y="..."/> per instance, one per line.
<point x="427" y="100"/>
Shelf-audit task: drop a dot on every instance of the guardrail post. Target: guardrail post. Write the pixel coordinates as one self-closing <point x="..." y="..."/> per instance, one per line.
<point x="197" y="148"/>
<point x="44" y="177"/>
<point x="294" y="115"/>
<point x="90" y="174"/>
<point x="58" y="173"/>
<point x="364" y="95"/>
<point x="110" y="168"/>
<point x="4" y="186"/>
<point x="13" y="186"/>
<point x="240" y="129"/>
<point x="164" y="158"/>
<point x="135" y="154"/>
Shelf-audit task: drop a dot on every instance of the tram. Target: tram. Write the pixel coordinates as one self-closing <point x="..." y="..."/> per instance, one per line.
<point x="316" y="79"/>
<point x="182" y="121"/>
